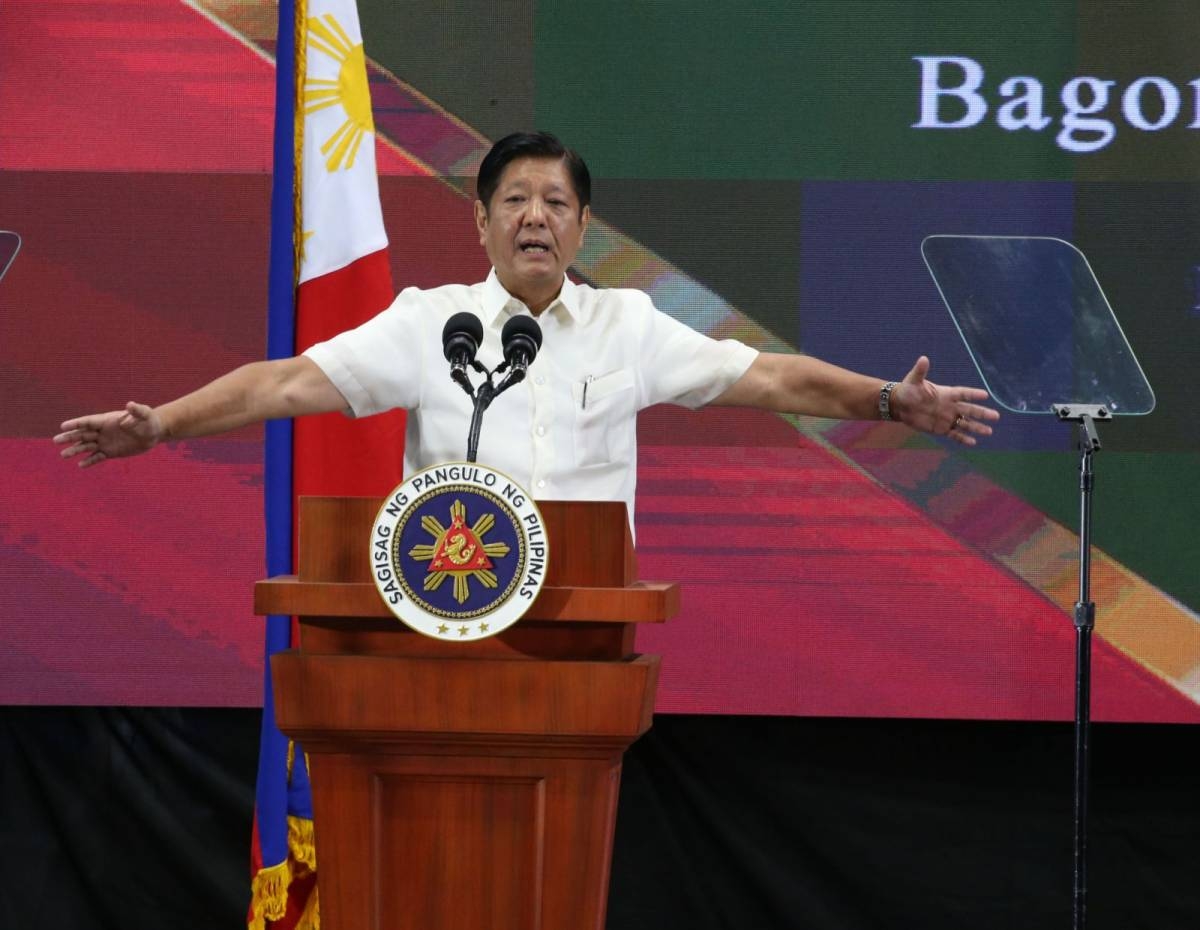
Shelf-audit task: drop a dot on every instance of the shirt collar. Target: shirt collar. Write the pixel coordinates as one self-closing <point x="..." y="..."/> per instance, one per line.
<point x="498" y="302"/>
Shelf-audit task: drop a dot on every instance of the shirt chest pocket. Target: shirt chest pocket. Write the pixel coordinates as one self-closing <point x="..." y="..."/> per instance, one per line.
<point x="605" y="418"/>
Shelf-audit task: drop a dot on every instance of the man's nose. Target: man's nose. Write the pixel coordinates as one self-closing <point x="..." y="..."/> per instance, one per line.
<point x="535" y="214"/>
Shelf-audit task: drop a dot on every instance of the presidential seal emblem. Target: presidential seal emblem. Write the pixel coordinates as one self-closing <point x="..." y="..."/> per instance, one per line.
<point x="458" y="551"/>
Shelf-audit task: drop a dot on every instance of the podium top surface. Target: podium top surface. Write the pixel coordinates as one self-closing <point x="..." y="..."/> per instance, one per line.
<point x="590" y="541"/>
<point x="591" y="576"/>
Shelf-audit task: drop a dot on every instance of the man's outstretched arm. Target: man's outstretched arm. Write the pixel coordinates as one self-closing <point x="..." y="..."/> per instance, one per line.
<point x="805" y="385"/>
<point x="251" y="394"/>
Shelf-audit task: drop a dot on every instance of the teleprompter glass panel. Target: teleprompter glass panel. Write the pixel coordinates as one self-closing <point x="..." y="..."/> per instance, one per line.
<point x="1037" y="325"/>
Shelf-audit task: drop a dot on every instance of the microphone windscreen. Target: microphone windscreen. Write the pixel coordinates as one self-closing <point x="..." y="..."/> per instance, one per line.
<point x="460" y="327"/>
<point x="522" y="326"/>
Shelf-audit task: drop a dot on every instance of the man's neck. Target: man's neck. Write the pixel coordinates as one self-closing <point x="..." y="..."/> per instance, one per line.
<point x="535" y="302"/>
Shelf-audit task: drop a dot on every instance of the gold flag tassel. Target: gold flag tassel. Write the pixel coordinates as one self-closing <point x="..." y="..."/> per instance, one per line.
<point x="302" y="848"/>
<point x="269" y="895"/>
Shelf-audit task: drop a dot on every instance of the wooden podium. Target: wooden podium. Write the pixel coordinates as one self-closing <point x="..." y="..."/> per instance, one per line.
<point x="465" y="786"/>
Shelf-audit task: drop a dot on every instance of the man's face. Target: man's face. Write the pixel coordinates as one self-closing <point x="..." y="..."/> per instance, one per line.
<point x="532" y="228"/>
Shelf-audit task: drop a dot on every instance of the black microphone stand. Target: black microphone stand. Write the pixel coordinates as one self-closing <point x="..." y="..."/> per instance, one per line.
<point x="483" y="397"/>
<point x="1085" y="620"/>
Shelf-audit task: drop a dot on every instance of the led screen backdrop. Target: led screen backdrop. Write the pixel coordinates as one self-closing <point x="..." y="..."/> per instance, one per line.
<point x="765" y="171"/>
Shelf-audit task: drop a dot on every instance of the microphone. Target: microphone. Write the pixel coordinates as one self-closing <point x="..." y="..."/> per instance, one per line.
<point x="521" y="338"/>
<point x="460" y="341"/>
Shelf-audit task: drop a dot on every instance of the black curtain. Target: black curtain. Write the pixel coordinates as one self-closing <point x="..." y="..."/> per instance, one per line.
<point x="126" y="818"/>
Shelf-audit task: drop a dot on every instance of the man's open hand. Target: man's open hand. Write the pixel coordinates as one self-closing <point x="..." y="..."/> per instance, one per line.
<point x="113" y="435"/>
<point x="944" y="411"/>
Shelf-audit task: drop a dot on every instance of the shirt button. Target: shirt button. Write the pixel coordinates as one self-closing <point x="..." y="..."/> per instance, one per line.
<point x="541" y="431"/>
<point x="541" y="482"/>
<point x="540" y="379"/>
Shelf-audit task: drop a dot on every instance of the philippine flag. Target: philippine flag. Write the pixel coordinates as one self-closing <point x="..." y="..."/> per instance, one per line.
<point x="329" y="272"/>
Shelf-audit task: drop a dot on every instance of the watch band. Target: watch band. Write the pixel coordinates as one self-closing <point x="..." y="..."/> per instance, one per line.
<point x="885" y="401"/>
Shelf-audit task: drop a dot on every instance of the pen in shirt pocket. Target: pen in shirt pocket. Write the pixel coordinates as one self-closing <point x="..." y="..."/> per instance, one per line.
<point x="586" y="381"/>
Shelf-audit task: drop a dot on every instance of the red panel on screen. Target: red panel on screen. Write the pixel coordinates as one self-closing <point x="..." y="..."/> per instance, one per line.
<point x="810" y="589"/>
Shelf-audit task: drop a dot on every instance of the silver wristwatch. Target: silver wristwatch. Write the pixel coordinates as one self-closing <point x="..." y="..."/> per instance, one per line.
<point x="885" y="401"/>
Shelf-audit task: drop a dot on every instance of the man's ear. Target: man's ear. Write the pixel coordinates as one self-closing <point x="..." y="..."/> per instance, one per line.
<point x="481" y="219"/>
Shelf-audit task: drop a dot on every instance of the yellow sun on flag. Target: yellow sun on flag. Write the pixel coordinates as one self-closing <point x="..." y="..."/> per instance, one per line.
<point x="349" y="90"/>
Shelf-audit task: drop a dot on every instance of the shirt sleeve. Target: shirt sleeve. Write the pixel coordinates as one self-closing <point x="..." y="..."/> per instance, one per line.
<point x="682" y="366"/>
<point x="378" y="366"/>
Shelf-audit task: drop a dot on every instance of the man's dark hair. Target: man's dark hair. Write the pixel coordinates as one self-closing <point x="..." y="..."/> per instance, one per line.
<point x="531" y="145"/>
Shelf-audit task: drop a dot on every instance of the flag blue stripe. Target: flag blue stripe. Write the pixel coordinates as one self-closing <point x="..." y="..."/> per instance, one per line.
<point x="271" y="792"/>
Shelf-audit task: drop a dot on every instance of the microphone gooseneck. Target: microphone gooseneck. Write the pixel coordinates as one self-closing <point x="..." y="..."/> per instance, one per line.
<point x="521" y="339"/>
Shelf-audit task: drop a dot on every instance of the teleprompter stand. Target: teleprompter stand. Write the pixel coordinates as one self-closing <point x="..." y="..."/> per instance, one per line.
<point x="1045" y="341"/>
<point x="1086" y="416"/>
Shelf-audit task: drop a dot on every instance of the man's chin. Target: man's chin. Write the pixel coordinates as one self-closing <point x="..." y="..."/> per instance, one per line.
<point x="538" y="272"/>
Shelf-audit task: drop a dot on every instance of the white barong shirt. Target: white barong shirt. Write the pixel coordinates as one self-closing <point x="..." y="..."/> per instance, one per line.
<point x="569" y="431"/>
